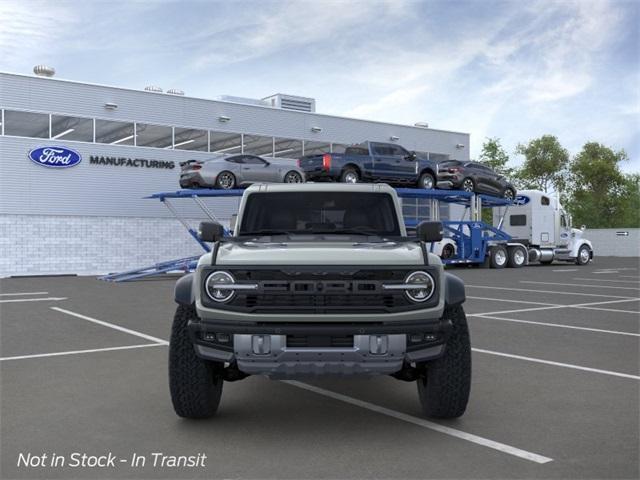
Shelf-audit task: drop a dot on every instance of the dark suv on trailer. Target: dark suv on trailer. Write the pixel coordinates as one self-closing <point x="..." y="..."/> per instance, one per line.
<point x="474" y="177"/>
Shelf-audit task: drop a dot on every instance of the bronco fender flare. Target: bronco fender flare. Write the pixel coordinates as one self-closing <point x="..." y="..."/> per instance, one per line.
<point x="184" y="293"/>
<point x="454" y="290"/>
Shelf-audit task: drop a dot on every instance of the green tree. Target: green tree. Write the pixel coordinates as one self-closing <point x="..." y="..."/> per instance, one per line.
<point x="600" y="195"/>
<point x="545" y="164"/>
<point x="494" y="156"/>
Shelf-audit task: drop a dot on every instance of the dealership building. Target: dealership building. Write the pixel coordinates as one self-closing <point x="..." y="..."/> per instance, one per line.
<point x="92" y="217"/>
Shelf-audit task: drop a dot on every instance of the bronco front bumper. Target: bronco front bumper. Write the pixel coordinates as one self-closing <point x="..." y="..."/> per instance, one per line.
<point x="288" y="350"/>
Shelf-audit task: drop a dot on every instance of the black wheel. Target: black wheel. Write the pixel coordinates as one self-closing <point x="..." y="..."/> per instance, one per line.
<point x="509" y="194"/>
<point x="468" y="185"/>
<point x="349" y="175"/>
<point x="226" y="180"/>
<point x="293" y="177"/>
<point x="517" y="257"/>
<point x="427" y="181"/>
<point x="448" y="251"/>
<point x="195" y="384"/>
<point x="444" y="387"/>
<point x="584" y="255"/>
<point x="498" y="256"/>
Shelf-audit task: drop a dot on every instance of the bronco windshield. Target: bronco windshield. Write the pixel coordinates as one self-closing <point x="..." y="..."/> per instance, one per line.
<point x="349" y="213"/>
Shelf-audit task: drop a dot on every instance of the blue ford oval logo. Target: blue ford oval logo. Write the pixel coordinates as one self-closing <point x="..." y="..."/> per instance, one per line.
<point x="55" y="157"/>
<point x="521" y="200"/>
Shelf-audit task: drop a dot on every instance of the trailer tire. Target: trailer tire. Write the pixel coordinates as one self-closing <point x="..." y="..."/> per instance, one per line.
<point x="427" y="181"/>
<point x="498" y="256"/>
<point x="517" y="257"/>
<point x="444" y="386"/>
<point x="349" y="175"/>
<point x="195" y="384"/>
<point x="584" y="255"/>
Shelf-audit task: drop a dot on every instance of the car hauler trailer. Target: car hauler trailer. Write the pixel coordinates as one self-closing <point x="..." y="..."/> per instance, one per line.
<point x="538" y="221"/>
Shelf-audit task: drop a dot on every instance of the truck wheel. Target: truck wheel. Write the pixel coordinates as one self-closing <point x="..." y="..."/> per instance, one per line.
<point x="195" y="384"/>
<point x="349" y="175"/>
<point x="498" y="257"/>
<point x="444" y="388"/>
<point x="226" y="180"/>
<point x="584" y="255"/>
<point x="427" y="181"/>
<point x="517" y="257"/>
<point x="448" y="251"/>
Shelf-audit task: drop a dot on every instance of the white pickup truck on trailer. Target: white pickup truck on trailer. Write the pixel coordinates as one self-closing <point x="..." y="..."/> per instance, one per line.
<point x="538" y="221"/>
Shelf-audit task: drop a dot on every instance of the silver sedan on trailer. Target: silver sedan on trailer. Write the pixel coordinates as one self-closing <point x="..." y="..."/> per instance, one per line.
<point x="236" y="171"/>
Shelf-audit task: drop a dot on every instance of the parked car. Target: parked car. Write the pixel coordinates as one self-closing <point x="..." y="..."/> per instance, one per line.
<point x="371" y="162"/>
<point x="234" y="171"/>
<point x="474" y="177"/>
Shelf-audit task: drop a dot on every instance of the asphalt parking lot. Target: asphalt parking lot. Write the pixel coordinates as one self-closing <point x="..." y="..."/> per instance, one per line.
<point x="555" y="388"/>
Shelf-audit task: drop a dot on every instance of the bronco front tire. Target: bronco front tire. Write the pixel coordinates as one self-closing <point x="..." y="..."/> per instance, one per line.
<point x="444" y="386"/>
<point x="195" y="384"/>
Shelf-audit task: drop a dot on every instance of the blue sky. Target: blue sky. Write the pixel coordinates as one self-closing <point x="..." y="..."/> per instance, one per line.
<point x="514" y="70"/>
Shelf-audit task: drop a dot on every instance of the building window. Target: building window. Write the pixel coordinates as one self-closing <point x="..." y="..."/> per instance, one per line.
<point x="158" y="136"/>
<point x="190" y="139"/>
<point x="26" y="124"/>
<point x="225" y="143"/>
<point x="316" y="148"/>
<point x="438" y="157"/>
<point x="114" y="133"/>
<point x="71" y="128"/>
<point x="287" y="148"/>
<point x="258" y="145"/>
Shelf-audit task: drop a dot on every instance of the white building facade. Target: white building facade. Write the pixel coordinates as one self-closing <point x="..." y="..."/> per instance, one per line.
<point x="92" y="218"/>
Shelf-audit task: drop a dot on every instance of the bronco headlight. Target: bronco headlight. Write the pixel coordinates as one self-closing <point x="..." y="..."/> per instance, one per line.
<point x="215" y="286"/>
<point x="425" y="286"/>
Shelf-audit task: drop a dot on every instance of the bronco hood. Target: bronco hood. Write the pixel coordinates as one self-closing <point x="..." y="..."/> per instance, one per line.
<point x="320" y="253"/>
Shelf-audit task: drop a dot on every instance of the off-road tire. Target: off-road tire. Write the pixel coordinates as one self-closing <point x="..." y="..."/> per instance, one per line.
<point x="195" y="384"/>
<point x="425" y="177"/>
<point x="444" y="388"/>
<point x="497" y="254"/>
<point x="347" y="173"/>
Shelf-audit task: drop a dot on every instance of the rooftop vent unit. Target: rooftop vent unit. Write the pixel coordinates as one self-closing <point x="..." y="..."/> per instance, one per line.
<point x="421" y="124"/>
<point x="291" y="102"/>
<point x="153" y="88"/>
<point x="175" y="91"/>
<point x="44" y="71"/>
<point x="243" y="100"/>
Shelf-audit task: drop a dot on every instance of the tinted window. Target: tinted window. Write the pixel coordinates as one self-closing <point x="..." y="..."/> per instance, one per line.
<point x="544" y="201"/>
<point x="114" y="133"/>
<point x="258" y="145"/>
<point x="71" y="128"/>
<point x="518" y="220"/>
<point x="238" y="159"/>
<point x="220" y="142"/>
<point x="190" y="139"/>
<point x="148" y="135"/>
<point x="319" y="212"/>
<point x="26" y="124"/>
<point x="253" y="160"/>
<point x="357" y="151"/>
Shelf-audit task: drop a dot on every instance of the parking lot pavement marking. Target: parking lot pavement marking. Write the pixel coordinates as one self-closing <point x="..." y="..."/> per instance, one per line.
<point x="581" y="285"/>
<point x="22" y="293"/>
<point x="76" y="352"/>
<point x="566" y="270"/>
<point x="508" y="449"/>
<point x="514" y="301"/>
<point x="112" y="325"/>
<point x="557" y="364"/>
<point x="587" y="306"/>
<point x="46" y="299"/>
<point x="558" y="325"/>
<point x="606" y="280"/>
<point x="549" y="291"/>
<point x="628" y="276"/>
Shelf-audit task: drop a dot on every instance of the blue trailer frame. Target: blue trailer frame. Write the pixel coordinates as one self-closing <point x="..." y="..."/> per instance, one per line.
<point x="473" y="237"/>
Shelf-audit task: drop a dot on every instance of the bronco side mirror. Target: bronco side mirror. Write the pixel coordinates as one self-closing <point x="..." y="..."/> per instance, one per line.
<point x="210" y="231"/>
<point x="429" y="231"/>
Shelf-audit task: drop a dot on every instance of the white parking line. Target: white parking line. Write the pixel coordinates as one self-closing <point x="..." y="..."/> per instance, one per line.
<point x="528" y="290"/>
<point x="558" y="325"/>
<point x="588" y="306"/>
<point x="557" y="364"/>
<point x="581" y="285"/>
<point x="469" y="437"/>
<point x="566" y="270"/>
<point x="606" y="280"/>
<point x="628" y="276"/>
<point x="22" y="293"/>
<point x="76" y="352"/>
<point x="47" y="299"/>
<point x="513" y="301"/>
<point x="111" y="325"/>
